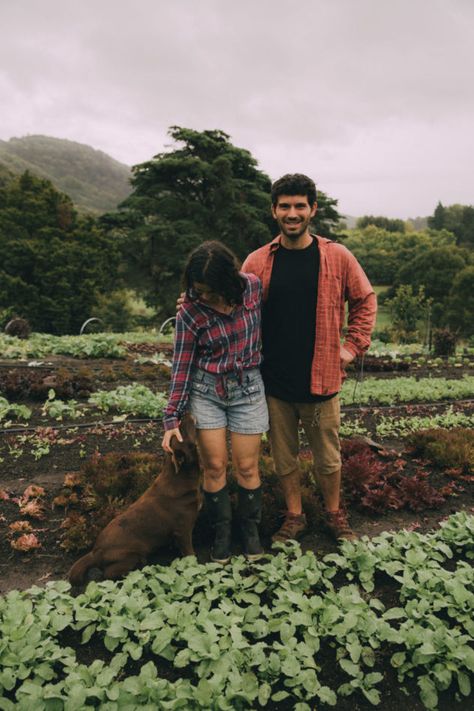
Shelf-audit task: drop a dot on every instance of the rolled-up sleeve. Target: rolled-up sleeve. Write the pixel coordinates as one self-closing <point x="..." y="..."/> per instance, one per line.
<point x="362" y="303"/>
<point x="183" y="360"/>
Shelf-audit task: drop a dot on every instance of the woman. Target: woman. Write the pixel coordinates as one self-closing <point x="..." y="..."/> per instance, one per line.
<point x="216" y="371"/>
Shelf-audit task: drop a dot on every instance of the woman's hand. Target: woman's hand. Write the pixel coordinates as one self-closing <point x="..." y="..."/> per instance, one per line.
<point x="165" y="442"/>
<point x="180" y="301"/>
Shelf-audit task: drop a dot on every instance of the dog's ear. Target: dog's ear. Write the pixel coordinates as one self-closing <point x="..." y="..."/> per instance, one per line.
<point x="188" y="428"/>
<point x="177" y="455"/>
<point x="178" y="458"/>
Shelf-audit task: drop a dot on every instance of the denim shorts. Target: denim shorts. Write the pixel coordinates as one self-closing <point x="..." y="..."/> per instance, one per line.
<point x="240" y="407"/>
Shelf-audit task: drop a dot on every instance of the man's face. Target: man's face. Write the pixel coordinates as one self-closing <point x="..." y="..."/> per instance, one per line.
<point x="293" y="214"/>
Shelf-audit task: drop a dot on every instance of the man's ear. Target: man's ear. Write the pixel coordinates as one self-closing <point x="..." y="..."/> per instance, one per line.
<point x="314" y="209"/>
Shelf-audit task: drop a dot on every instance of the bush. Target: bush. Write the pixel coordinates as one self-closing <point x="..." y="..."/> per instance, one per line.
<point x="444" y="342"/>
<point x="121" y="311"/>
<point x="384" y="335"/>
<point x="106" y="485"/>
<point x="445" y="448"/>
<point x="18" y="327"/>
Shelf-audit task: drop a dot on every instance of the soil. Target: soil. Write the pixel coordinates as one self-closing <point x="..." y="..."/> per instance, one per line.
<point x="76" y="441"/>
<point x="80" y="440"/>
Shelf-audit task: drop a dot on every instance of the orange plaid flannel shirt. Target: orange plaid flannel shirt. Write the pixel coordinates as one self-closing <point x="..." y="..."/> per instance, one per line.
<point x="341" y="279"/>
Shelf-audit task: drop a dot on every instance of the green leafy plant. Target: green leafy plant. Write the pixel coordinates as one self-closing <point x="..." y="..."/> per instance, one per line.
<point x="401" y="426"/>
<point x="408" y="389"/>
<point x="250" y="635"/>
<point x="130" y="400"/>
<point x="58" y="409"/>
<point x="8" y="409"/>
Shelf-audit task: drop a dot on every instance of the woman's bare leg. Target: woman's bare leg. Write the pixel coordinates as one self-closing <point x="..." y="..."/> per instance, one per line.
<point x="213" y="450"/>
<point x="245" y="454"/>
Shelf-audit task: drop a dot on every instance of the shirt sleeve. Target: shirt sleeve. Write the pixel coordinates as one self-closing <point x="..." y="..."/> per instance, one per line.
<point x="362" y="309"/>
<point x="183" y="359"/>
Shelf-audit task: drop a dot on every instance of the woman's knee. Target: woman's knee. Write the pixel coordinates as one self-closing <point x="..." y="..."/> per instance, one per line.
<point x="215" y="470"/>
<point x="247" y="470"/>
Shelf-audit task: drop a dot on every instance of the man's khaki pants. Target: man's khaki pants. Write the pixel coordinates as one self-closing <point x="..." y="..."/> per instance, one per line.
<point x="320" y="421"/>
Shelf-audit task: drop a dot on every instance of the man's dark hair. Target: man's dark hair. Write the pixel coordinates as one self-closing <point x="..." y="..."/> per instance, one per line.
<point x="294" y="184"/>
<point x="216" y="266"/>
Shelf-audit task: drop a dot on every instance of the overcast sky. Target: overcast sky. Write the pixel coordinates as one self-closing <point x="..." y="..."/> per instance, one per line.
<point x="374" y="99"/>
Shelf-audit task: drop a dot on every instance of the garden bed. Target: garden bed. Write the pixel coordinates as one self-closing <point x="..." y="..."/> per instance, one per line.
<point x="42" y="450"/>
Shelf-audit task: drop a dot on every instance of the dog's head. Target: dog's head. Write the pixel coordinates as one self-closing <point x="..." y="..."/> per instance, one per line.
<point x="185" y="455"/>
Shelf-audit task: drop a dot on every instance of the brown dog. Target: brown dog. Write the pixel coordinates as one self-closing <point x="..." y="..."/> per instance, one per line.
<point x="168" y="508"/>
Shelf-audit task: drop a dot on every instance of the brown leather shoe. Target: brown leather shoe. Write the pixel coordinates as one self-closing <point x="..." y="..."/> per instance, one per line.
<point x="337" y="524"/>
<point x="293" y="528"/>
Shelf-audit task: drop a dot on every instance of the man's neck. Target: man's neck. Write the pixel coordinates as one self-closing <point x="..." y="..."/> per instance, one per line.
<point x="301" y="243"/>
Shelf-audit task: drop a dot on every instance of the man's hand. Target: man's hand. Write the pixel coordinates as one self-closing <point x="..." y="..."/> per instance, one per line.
<point x="165" y="442"/>
<point x="180" y="300"/>
<point x="346" y="357"/>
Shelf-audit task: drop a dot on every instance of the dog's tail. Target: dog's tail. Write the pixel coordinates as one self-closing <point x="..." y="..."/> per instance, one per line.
<point x="78" y="571"/>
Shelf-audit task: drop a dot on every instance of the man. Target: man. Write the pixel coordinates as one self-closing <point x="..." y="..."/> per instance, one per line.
<point x="306" y="281"/>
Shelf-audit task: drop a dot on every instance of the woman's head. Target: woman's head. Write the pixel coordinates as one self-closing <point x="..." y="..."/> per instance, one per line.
<point x="212" y="268"/>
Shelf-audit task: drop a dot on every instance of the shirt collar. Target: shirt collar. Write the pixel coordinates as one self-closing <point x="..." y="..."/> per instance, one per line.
<point x="275" y="243"/>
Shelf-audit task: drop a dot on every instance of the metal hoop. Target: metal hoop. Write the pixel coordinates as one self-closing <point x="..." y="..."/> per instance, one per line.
<point x="89" y="320"/>
<point x="165" y="323"/>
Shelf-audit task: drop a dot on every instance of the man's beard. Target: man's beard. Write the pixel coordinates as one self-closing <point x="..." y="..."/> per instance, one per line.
<point x="296" y="234"/>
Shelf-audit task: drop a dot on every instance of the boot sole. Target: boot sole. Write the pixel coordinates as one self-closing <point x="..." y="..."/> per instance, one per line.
<point x="222" y="561"/>
<point x="254" y="556"/>
<point x="284" y="539"/>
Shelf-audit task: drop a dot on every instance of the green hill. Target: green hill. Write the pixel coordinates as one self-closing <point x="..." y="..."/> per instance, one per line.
<point x="93" y="180"/>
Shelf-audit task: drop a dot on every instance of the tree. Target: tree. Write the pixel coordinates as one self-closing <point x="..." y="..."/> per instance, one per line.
<point x="383" y="253"/>
<point x="385" y="223"/>
<point x="202" y="188"/>
<point x="437" y="221"/>
<point x="407" y="308"/>
<point x="460" y="304"/>
<point x="435" y="270"/>
<point x="53" y="264"/>
<point x="466" y="235"/>
<point x="327" y="218"/>
<point x="458" y="219"/>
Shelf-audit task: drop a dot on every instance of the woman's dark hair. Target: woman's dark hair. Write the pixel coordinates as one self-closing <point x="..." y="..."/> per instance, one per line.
<point x="216" y="266"/>
<point x="294" y="184"/>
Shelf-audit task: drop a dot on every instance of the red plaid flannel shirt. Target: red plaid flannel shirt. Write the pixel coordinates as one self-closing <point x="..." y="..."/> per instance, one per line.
<point x="215" y="342"/>
<point x="341" y="279"/>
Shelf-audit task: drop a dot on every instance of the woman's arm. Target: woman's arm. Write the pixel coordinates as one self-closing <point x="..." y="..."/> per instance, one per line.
<point x="183" y="359"/>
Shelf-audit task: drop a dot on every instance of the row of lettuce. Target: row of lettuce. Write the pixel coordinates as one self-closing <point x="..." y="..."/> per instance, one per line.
<point x="244" y="636"/>
<point x="114" y="345"/>
<point x="138" y="399"/>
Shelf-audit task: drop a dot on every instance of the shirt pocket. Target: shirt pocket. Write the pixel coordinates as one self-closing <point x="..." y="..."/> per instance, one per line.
<point x="253" y="388"/>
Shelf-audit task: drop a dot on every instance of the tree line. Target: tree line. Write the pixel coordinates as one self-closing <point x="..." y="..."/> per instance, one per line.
<point x="57" y="267"/>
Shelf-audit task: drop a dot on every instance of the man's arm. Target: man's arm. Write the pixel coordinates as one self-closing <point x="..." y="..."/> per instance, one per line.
<point x="362" y="308"/>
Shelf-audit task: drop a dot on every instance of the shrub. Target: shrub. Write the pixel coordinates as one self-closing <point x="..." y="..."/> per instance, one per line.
<point x="18" y="327"/>
<point x="121" y="476"/>
<point x="106" y="485"/>
<point x="445" y="448"/>
<point x="384" y="335"/>
<point x="444" y="342"/>
<point x="376" y="485"/>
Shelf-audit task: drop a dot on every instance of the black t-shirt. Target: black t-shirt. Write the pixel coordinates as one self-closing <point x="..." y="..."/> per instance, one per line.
<point x="289" y="324"/>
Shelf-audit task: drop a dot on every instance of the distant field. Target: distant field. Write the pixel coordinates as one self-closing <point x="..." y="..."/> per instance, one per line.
<point x="383" y="314"/>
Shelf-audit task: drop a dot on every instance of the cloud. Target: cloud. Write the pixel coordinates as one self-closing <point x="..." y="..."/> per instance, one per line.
<point x="349" y="92"/>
